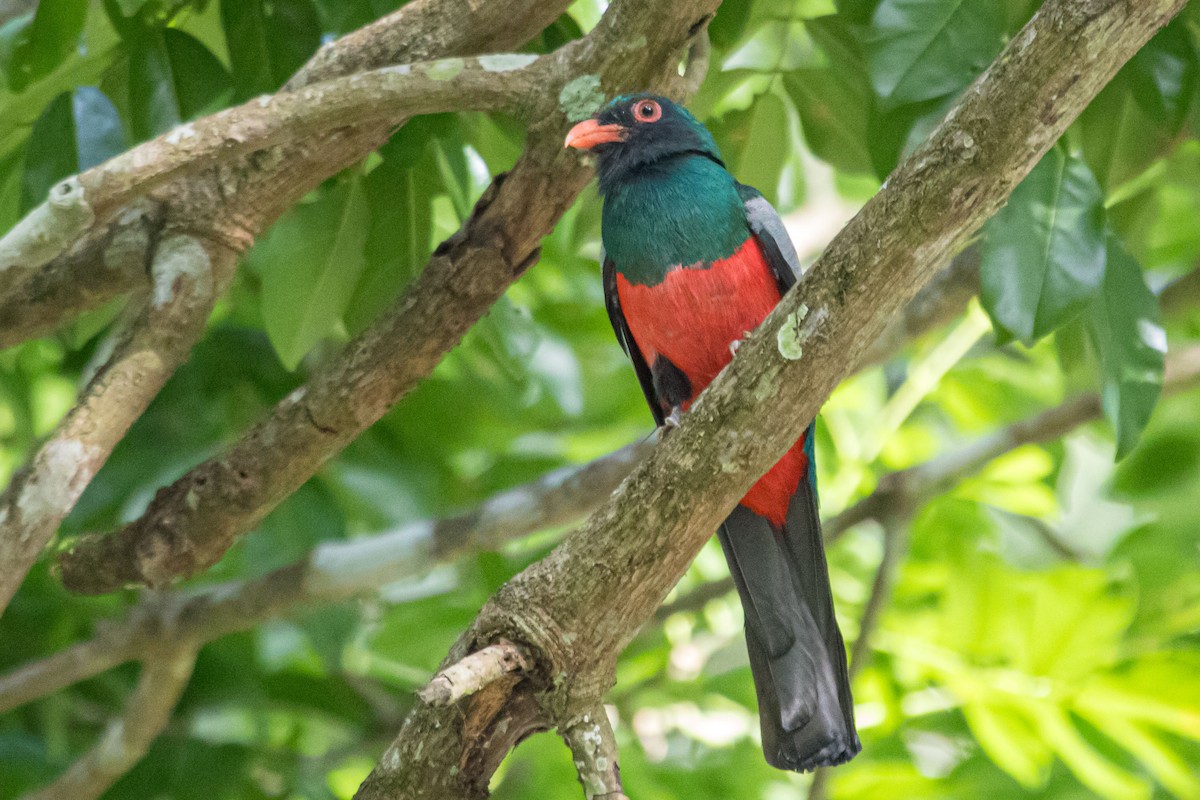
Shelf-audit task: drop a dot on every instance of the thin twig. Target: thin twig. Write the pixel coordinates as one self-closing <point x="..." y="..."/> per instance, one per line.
<point x="472" y="673"/>
<point x="594" y="750"/>
<point x="125" y="742"/>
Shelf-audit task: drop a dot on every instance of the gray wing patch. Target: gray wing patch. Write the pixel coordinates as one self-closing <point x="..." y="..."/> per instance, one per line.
<point x="768" y="227"/>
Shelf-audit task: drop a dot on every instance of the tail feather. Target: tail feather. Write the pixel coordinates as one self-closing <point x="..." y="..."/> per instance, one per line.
<point x="796" y="651"/>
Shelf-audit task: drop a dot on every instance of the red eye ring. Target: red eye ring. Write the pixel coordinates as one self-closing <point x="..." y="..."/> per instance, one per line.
<point x="647" y="111"/>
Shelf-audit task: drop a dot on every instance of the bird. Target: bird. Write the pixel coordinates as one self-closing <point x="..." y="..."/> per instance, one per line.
<point x="692" y="260"/>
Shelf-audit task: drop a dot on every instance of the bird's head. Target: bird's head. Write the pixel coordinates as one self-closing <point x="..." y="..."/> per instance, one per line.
<point x="637" y="130"/>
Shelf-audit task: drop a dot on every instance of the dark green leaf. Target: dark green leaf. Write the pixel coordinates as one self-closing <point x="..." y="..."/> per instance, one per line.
<point x="268" y="41"/>
<point x="729" y="23"/>
<point x="48" y="40"/>
<point x="834" y="100"/>
<point x="921" y="49"/>
<point x="857" y="12"/>
<point x="562" y="30"/>
<point x="310" y="265"/>
<point x="50" y="155"/>
<point x="153" y="106"/>
<point x="764" y="146"/>
<point x="77" y="130"/>
<point x="1126" y="328"/>
<point x="173" y="78"/>
<point x="1043" y="254"/>
<point x="202" y="84"/>
<point x="1135" y="120"/>
<point x="1164" y="74"/>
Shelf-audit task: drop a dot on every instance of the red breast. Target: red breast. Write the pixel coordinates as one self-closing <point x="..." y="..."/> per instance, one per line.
<point x="691" y="318"/>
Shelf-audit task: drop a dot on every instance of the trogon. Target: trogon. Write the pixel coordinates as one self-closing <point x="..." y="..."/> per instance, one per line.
<point x="693" y="261"/>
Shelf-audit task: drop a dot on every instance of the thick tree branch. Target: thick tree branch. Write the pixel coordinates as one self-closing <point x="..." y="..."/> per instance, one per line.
<point x="191" y="523"/>
<point x="578" y="608"/>
<point x="188" y="277"/>
<point x="237" y="199"/>
<point x="901" y="494"/>
<point x="384" y="96"/>
<point x="127" y="739"/>
<point x="111" y="260"/>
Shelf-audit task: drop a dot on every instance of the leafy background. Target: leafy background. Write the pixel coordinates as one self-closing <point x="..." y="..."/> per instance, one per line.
<point x="1043" y="639"/>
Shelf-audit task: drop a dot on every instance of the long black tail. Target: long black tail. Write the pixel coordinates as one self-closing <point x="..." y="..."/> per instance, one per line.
<point x="796" y="650"/>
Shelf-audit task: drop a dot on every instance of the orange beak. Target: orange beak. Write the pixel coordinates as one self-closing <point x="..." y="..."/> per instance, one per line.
<point x="590" y="133"/>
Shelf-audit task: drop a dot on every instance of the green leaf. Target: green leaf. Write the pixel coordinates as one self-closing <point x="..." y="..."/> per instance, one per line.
<point x="310" y="264"/>
<point x="1044" y="253"/>
<point x="78" y="130"/>
<point x="173" y="78"/>
<point x="1009" y="740"/>
<point x="922" y="49"/>
<point x="49" y="38"/>
<point x="1136" y="119"/>
<point x="202" y="84"/>
<point x="763" y="148"/>
<point x="730" y="23"/>
<point x="834" y="101"/>
<point x="400" y="194"/>
<point x="1164" y="74"/>
<point x="268" y="41"/>
<point x="1126" y="328"/>
<point x="153" y="106"/>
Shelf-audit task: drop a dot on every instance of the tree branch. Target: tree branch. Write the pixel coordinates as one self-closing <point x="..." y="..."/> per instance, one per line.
<point x="594" y="750"/>
<point x="191" y="523"/>
<point x="474" y="672"/>
<point x="901" y="494"/>
<point x="237" y="199"/>
<point x="384" y="96"/>
<point x="188" y="277"/>
<point x="127" y="739"/>
<point x="333" y="572"/>
<point x="579" y="607"/>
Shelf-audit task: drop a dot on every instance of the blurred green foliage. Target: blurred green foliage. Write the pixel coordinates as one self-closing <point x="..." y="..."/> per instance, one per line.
<point x="1044" y="636"/>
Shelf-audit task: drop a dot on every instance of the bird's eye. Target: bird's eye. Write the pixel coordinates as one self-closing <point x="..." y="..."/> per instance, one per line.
<point x="647" y="111"/>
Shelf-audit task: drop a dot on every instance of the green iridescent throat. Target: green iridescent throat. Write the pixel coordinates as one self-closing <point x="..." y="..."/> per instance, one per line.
<point x="682" y="210"/>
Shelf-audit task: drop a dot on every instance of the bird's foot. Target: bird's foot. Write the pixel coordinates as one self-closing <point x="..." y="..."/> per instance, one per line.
<point x="673" y="420"/>
<point x="737" y="343"/>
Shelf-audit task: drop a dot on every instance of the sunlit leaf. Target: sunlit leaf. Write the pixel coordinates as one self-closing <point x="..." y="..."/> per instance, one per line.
<point x="311" y="263"/>
<point x="1009" y="739"/>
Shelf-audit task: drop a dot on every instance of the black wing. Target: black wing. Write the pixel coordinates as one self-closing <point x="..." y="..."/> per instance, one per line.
<point x="766" y="225"/>
<point x="621" y="328"/>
